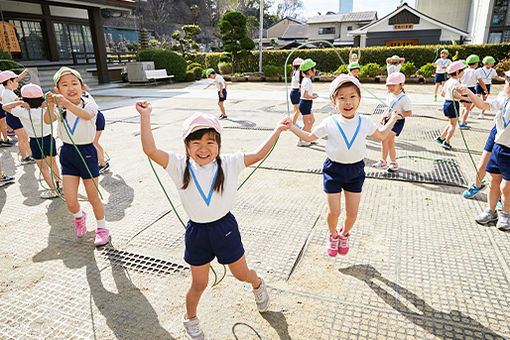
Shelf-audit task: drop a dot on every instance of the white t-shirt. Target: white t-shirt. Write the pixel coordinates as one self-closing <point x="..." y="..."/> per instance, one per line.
<point x="219" y="80"/>
<point x="8" y="96"/>
<point x="295" y="79"/>
<point x="393" y="68"/>
<point x="192" y="201"/>
<point x="498" y="104"/>
<point x="83" y="131"/>
<point x="2" y="88"/>
<point x="336" y="145"/>
<point x="306" y="85"/>
<point x="450" y="84"/>
<point x="399" y="103"/>
<point x="442" y="65"/>
<point x="469" y="77"/>
<point x="486" y="74"/>
<point x="24" y="116"/>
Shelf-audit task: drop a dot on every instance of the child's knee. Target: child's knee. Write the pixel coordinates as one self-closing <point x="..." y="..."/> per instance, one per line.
<point x="198" y="286"/>
<point x="334" y="213"/>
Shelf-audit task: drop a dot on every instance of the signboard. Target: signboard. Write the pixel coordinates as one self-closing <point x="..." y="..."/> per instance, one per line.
<point x="8" y="39"/>
<point x="403" y="27"/>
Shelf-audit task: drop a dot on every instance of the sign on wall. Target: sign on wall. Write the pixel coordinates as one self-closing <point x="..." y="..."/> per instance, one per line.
<point x="8" y="39"/>
<point x="403" y="27"/>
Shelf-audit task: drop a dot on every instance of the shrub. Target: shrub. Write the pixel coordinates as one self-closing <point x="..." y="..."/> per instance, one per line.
<point x="369" y="70"/>
<point x="341" y="69"/>
<point x="502" y="66"/>
<point x="190" y="76"/>
<point x="198" y="71"/>
<point x="192" y="65"/>
<point x="408" y="69"/>
<point x="171" y="61"/>
<point x="225" y="68"/>
<point x="427" y="70"/>
<point x="270" y="71"/>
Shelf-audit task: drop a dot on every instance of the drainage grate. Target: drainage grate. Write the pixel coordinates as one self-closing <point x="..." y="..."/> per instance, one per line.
<point x="261" y="128"/>
<point x="380" y="108"/>
<point x="430" y="134"/>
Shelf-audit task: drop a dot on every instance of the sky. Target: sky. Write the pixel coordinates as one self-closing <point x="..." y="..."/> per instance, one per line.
<point x="383" y="7"/>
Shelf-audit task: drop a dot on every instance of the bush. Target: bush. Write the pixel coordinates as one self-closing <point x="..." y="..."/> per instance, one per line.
<point x="190" y="76"/>
<point x="192" y="65"/>
<point x="408" y="69"/>
<point x="341" y="69"/>
<point x="427" y="70"/>
<point x="369" y="70"/>
<point x="198" y="71"/>
<point x="225" y="68"/>
<point x="270" y="71"/>
<point x="171" y="61"/>
<point x="502" y="66"/>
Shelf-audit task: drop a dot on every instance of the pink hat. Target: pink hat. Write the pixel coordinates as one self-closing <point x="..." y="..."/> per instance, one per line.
<point x="200" y="121"/>
<point x="298" y="61"/>
<point x="6" y="75"/>
<point x="31" y="91"/>
<point x="338" y="81"/>
<point x="396" y="78"/>
<point x="454" y="67"/>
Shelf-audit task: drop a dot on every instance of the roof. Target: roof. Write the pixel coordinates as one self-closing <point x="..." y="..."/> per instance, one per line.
<point x="405" y="6"/>
<point x="287" y="18"/>
<point x="102" y="3"/>
<point x="345" y="17"/>
<point x="295" y="31"/>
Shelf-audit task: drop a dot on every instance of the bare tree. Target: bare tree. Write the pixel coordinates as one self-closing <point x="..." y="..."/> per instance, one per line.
<point x="288" y="8"/>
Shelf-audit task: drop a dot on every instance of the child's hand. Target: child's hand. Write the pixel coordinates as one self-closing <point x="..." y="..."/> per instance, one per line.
<point x="395" y="115"/>
<point x="144" y="108"/>
<point x="315" y="96"/>
<point x="50" y="100"/>
<point x="25" y="105"/>
<point x="284" y="124"/>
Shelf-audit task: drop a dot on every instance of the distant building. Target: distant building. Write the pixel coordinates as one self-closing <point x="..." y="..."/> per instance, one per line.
<point x="344" y="6"/>
<point x="279" y="28"/>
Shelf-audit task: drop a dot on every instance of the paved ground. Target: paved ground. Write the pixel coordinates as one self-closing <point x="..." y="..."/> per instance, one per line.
<point x="419" y="267"/>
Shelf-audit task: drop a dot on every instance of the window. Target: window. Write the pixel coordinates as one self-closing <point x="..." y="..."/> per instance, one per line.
<point x="31" y="40"/>
<point x="499" y="12"/>
<point x="72" y="38"/>
<point x="495" y="38"/>
<point x="327" y="30"/>
<point x="349" y="28"/>
<point x="506" y="36"/>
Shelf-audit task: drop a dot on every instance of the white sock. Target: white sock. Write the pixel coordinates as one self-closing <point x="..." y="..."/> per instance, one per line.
<point x="78" y="214"/>
<point x="101" y="223"/>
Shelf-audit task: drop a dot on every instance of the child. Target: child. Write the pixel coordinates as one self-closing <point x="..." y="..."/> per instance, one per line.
<point x="353" y="69"/>
<point x="42" y="144"/>
<point x="9" y="80"/>
<point x="469" y="79"/>
<point x="295" y="93"/>
<point x="353" y="57"/>
<point x="484" y="77"/>
<point x="451" y="107"/>
<point x="100" y="123"/>
<point x="307" y="97"/>
<point x="212" y="230"/>
<point x="394" y="63"/>
<point x="221" y="86"/>
<point x="4" y="141"/>
<point x="4" y="179"/>
<point x="441" y="65"/>
<point x="79" y="112"/>
<point x="346" y="149"/>
<point x="399" y="102"/>
<point x="498" y="166"/>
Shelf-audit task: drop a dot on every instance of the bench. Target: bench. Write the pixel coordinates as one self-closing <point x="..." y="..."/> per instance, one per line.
<point x="157" y="74"/>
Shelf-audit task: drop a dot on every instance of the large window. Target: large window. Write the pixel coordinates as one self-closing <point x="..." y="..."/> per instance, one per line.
<point x="499" y="12"/>
<point x="73" y="38"/>
<point x="327" y="30"/>
<point x="495" y="37"/>
<point x="31" y="40"/>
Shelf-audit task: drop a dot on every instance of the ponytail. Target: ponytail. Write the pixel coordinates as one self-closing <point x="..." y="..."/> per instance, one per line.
<point x="186" y="177"/>
<point x="220" y="178"/>
<point x="300" y="76"/>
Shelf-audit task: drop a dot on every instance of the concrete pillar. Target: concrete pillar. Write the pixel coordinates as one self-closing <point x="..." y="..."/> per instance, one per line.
<point x="97" y="31"/>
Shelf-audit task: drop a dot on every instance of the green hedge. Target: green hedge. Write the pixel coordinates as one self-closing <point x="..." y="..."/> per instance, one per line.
<point x="169" y="60"/>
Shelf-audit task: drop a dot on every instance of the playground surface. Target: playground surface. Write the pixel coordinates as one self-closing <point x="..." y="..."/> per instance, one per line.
<point x="419" y="267"/>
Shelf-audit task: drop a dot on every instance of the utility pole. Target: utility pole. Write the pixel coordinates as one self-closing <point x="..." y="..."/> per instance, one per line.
<point x="261" y="33"/>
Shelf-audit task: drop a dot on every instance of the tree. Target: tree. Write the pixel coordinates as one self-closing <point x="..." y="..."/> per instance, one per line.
<point x="252" y="26"/>
<point x="186" y="41"/>
<point x="233" y="35"/>
<point x="195" y="12"/>
<point x="288" y="8"/>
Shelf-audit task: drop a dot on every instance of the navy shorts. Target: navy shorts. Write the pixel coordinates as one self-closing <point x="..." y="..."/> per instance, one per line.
<point x="72" y="163"/>
<point x="224" y="92"/>
<point x="305" y="106"/>
<point x="220" y="239"/>
<point x="46" y="143"/>
<point x="2" y="112"/>
<point x="472" y="89"/>
<point x="338" y="176"/>
<point x="489" y="145"/>
<point x="13" y="121"/>
<point x="399" y="125"/>
<point x="100" y="121"/>
<point x="440" y="77"/>
<point x="295" y="96"/>
<point x="499" y="162"/>
<point x="479" y="89"/>
<point x="449" y="108"/>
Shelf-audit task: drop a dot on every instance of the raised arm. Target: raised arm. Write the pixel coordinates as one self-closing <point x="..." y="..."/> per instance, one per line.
<point x="50" y="116"/>
<point x="148" y="144"/>
<point x="9" y="106"/>
<point x="23" y="74"/>
<point x="261" y="152"/>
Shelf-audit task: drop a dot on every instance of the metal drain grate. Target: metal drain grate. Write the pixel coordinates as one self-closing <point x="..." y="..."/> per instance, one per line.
<point x="380" y="108"/>
<point x="261" y="128"/>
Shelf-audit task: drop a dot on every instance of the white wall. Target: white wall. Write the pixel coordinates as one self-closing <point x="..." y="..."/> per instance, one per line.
<point x="69" y="12"/>
<point x="453" y="12"/>
<point x="479" y="21"/>
<point x="313" y="31"/>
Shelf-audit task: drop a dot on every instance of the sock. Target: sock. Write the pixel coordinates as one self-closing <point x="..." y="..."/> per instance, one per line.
<point x="78" y="214"/>
<point x="101" y="224"/>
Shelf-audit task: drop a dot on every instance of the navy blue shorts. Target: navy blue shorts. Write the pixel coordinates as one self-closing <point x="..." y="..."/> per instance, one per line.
<point x="499" y="162"/>
<point x="100" y="121"/>
<point x="479" y="89"/>
<point x="440" y="77"/>
<point x="46" y="143"/>
<point x="72" y="163"/>
<point x="399" y="125"/>
<point x="295" y="96"/>
<point x="489" y="145"/>
<point x="224" y="92"/>
<point x="472" y="89"/>
<point x="2" y="111"/>
<point x="13" y="121"/>
<point x="220" y="239"/>
<point x="305" y="106"/>
<point x="449" y="108"/>
<point x="338" y="176"/>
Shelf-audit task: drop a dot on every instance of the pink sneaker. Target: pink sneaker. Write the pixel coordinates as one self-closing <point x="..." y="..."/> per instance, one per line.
<point x="80" y="225"/>
<point x="343" y="246"/>
<point x="102" y="237"/>
<point x="332" y="245"/>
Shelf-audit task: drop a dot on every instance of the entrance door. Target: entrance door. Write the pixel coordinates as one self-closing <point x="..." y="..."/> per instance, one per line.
<point x="407" y="42"/>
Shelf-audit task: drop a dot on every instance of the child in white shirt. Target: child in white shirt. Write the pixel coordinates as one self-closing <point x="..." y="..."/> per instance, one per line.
<point x="441" y="65"/>
<point x="484" y="77"/>
<point x="307" y="97"/>
<point x="221" y="86"/>
<point x="295" y="93"/>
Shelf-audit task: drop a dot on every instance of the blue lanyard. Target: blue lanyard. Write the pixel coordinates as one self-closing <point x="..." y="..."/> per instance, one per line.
<point x="396" y="101"/>
<point x="349" y="144"/>
<point x="74" y="126"/>
<point x="443" y="62"/>
<point x="487" y="74"/>
<point x="207" y="199"/>
<point x="505" y="123"/>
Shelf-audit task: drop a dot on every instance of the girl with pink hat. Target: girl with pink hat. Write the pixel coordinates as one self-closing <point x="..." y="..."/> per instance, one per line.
<point x="207" y="185"/>
<point x="295" y="93"/>
<point x="396" y="100"/>
<point x="4" y="141"/>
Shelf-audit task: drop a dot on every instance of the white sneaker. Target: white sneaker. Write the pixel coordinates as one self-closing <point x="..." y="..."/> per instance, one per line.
<point x="192" y="327"/>
<point x="393" y="167"/>
<point x="261" y="296"/>
<point x="380" y="164"/>
<point x="481" y="116"/>
<point x="303" y="143"/>
<point x="48" y="194"/>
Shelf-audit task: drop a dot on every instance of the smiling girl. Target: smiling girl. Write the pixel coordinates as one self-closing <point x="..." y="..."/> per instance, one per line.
<point x="346" y="149"/>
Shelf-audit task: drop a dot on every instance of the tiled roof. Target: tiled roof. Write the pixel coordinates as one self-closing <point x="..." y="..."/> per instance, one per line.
<point x="295" y="32"/>
<point x="345" y="17"/>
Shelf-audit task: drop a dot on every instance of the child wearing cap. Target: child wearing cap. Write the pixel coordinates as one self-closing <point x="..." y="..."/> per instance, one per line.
<point x="394" y="64"/>
<point x="469" y="80"/>
<point x="353" y="69"/>
<point x="207" y="184"/>
<point x="4" y="140"/>
<point x="10" y="81"/>
<point x="451" y="107"/>
<point x="484" y="76"/>
<point x="30" y="111"/>
<point x="346" y="149"/>
<point x="354" y="57"/>
<point x="498" y="165"/>
<point x="307" y="97"/>
<point x="76" y="115"/>
<point x="221" y="86"/>
<point x="398" y="102"/>
<point x="295" y="93"/>
<point x="441" y="65"/>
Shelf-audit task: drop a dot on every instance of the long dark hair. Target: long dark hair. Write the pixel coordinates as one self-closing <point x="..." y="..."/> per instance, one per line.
<point x="220" y="178"/>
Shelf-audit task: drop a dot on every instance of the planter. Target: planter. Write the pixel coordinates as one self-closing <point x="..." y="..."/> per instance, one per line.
<point x="227" y="76"/>
<point x="255" y="78"/>
<point x="239" y="79"/>
<point x="136" y="70"/>
<point x="273" y="78"/>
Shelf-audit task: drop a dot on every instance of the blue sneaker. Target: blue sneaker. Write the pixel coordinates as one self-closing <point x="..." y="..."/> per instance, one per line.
<point x="499" y="206"/>
<point x="439" y="140"/>
<point x="464" y="126"/>
<point x="473" y="190"/>
<point x="298" y="126"/>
